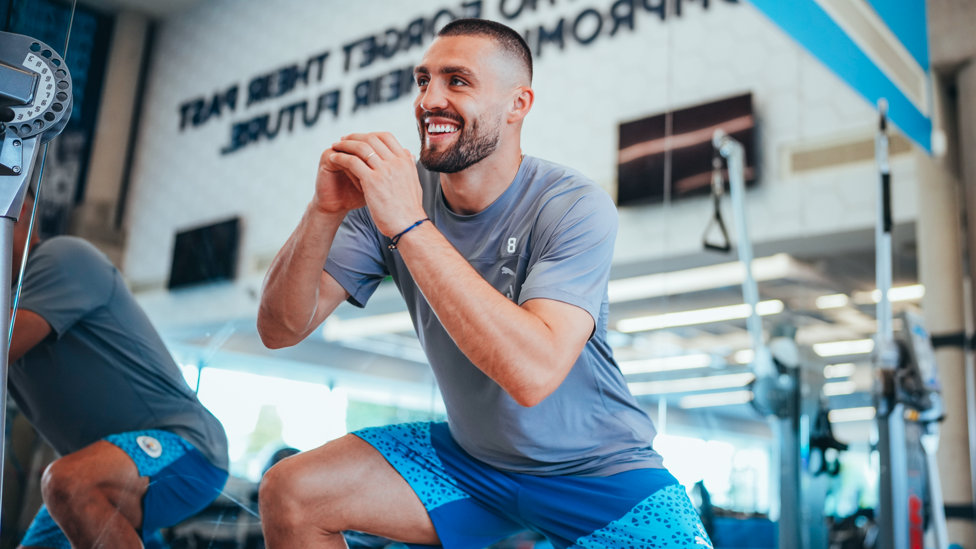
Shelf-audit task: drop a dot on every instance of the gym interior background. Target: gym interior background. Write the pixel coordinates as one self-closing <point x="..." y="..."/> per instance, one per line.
<point x="192" y="148"/>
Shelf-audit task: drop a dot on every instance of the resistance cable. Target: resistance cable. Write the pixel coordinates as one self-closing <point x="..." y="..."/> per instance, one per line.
<point x="37" y="195"/>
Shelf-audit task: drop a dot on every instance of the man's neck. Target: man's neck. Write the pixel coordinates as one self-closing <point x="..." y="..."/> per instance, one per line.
<point x="474" y="189"/>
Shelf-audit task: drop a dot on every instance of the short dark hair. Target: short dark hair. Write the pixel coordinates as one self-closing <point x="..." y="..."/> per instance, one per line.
<point x="509" y="40"/>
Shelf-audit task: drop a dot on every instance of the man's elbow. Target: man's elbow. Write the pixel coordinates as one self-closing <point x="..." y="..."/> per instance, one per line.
<point x="273" y="335"/>
<point x="532" y="394"/>
<point x="530" y="400"/>
<point x="269" y="339"/>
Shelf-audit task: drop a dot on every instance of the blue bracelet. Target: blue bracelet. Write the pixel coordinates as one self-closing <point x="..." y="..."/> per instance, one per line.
<point x="396" y="239"/>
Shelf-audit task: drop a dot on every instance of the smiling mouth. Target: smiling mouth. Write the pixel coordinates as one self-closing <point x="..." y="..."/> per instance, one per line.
<point x="441" y="129"/>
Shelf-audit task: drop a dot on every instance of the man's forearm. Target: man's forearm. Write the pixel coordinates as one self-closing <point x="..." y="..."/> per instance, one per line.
<point x="511" y="345"/>
<point x="290" y="297"/>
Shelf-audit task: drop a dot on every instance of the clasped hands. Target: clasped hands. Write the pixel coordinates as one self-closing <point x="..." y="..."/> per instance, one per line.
<point x="371" y="169"/>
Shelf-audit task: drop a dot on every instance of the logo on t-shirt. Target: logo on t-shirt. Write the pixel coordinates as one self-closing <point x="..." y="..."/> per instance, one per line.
<point x="150" y="446"/>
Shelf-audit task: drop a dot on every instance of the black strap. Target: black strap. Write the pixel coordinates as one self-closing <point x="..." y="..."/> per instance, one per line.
<point x="957" y="339"/>
<point x="886" y="198"/>
<point x="960" y="511"/>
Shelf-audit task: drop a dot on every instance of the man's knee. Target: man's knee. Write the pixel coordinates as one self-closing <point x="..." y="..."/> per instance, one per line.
<point x="281" y="495"/>
<point x="60" y="485"/>
<point x="302" y="492"/>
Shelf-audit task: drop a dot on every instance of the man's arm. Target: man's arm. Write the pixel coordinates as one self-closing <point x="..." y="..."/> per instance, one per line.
<point x="298" y="294"/>
<point x="29" y="330"/>
<point x="527" y="350"/>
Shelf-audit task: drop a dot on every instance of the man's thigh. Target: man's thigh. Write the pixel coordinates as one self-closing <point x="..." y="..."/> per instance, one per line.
<point x="345" y="485"/>
<point x="101" y="470"/>
<point x="642" y="508"/>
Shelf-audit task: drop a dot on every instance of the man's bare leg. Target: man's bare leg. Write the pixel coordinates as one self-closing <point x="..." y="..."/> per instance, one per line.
<point x="307" y="500"/>
<point x="95" y="496"/>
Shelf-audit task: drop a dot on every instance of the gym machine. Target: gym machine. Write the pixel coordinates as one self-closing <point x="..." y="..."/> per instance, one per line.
<point x="35" y="106"/>
<point x="907" y="398"/>
<point x="780" y="381"/>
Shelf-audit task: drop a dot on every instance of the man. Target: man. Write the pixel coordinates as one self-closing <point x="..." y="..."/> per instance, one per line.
<point x="93" y="377"/>
<point x="503" y="261"/>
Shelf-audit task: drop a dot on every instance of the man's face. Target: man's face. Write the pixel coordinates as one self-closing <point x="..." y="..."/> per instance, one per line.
<point x="460" y="104"/>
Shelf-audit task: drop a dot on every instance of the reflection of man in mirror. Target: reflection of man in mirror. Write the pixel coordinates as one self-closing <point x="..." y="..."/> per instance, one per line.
<point x="503" y="261"/>
<point x="93" y="377"/>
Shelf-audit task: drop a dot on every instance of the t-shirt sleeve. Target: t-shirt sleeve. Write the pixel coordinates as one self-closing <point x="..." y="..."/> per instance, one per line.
<point x="577" y="247"/>
<point x="65" y="281"/>
<point x="356" y="259"/>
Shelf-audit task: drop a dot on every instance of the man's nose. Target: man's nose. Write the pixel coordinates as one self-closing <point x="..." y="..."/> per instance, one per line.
<point x="433" y="98"/>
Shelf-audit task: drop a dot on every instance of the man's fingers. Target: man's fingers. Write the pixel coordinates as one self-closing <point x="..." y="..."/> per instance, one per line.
<point x="352" y="165"/>
<point x="391" y="142"/>
<point x="326" y="163"/>
<point x="380" y="147"/>
<point x="367" y="139"/>
<point x="357" y="148"/>
<point x="381" y="142"/>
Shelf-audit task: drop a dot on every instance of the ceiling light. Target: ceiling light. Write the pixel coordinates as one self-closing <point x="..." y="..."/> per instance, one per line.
<point x="831" y="301"/>
<point x="686" y="362"/>
<point x="715" y="399"/>
<point x="692" y="384"/>
<point x="699" y="316"/>
<point x="839" y="388"/>
<point x="745" y="356"/>
<point x="839" y="370"/>
<point x="851" y="414"/>
<point x="705" y="278"/>
<point x="336" y="329"/>
<point x="903" y="293"/>
<point x="841" y="348"/>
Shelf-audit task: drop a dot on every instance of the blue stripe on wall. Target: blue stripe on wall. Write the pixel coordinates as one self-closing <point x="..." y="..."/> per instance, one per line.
<point x="908" y="20"/>
<point x="809" y="25"/>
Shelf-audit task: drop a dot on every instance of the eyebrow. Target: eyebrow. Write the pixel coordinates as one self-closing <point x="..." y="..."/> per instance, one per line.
<point x="446" y="70"/>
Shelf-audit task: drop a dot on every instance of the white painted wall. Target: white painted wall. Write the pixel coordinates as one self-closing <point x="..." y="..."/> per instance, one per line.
<point x="583" y="93"/>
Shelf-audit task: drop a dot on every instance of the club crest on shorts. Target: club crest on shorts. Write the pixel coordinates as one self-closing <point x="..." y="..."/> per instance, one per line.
<point x="150" y="446"/>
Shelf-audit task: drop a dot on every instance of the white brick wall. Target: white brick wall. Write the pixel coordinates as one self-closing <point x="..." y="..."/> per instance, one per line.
<point x="583" y="93"/>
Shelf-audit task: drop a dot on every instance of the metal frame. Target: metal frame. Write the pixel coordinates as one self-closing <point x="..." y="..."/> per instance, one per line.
<point x="779" y="390"/>
<point x="906" y="390"/>
<point x="893" y="500"/>
<point x="27" y="121"/>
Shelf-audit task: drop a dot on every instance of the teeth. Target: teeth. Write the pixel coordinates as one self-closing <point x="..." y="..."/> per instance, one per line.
<point x="441" y="128"/>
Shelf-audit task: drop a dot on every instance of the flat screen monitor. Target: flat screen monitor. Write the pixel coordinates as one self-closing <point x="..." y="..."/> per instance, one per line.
<point x="205" y="254"/>
<point x="644" y="145"/>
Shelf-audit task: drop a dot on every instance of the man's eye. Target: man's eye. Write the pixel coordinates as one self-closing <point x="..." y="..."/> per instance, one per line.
<point x="421" y="81"/>
<point x="458" y="82"/>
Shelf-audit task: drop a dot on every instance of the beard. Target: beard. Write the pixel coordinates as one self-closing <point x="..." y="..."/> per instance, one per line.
<point x="474" y="143"/>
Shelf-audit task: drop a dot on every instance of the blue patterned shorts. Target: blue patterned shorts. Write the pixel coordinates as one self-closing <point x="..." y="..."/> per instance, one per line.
<point x="473" y="505"/>
<point x="181" y="483"/>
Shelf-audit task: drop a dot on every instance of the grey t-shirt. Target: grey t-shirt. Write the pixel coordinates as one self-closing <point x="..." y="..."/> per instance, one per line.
<point x="103" y="369"/>
<point x="549" y="235"/>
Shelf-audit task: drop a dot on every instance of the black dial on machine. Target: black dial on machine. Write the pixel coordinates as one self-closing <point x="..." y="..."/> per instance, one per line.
<point x="35" y="89"/>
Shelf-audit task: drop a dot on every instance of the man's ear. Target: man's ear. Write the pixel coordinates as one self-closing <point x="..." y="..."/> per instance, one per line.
<point x="523" y="98"/>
